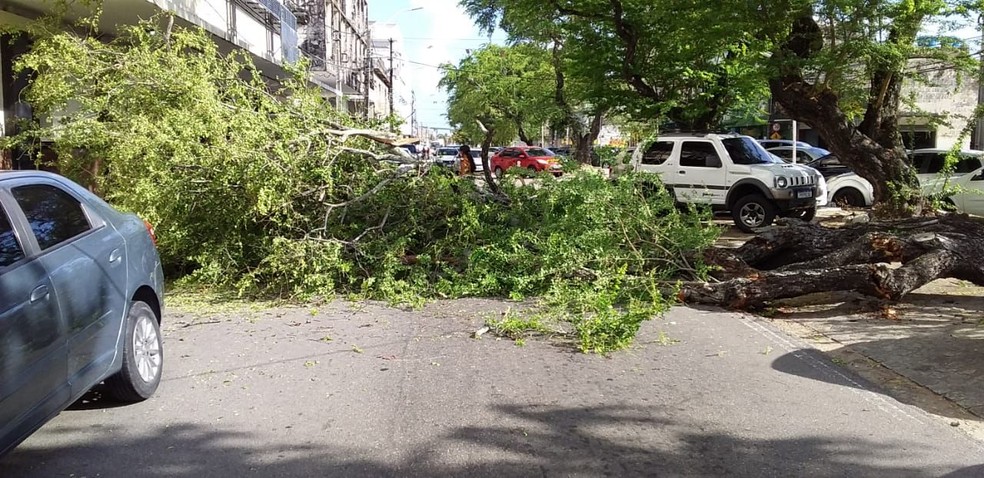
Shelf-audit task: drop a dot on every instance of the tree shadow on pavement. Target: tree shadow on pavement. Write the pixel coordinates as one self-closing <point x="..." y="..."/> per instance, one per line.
<point x="530" y="441"/>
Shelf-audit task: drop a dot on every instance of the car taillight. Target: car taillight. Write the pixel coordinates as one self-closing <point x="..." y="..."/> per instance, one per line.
<point x="150" y="230"/>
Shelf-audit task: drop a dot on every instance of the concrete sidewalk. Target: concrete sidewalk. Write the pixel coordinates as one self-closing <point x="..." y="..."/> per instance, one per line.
<point x="375" y="391"/>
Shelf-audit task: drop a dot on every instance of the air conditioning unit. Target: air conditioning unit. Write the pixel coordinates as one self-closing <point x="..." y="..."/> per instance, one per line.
<point x="336" y="36"/>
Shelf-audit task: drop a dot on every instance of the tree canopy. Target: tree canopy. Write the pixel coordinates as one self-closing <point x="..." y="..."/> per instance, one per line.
<point x="838" y="66"/>
<point x="266" y="189"/>
<point x="508" y="88"/>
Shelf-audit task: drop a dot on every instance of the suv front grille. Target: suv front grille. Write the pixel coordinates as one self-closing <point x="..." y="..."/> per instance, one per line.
<point x="802" y="180"/>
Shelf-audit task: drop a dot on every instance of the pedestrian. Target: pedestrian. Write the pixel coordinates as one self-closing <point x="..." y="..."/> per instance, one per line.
<point x="465" y="162"/>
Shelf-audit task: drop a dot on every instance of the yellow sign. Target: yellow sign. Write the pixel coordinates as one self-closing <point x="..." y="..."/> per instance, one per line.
<point x="775" y="135"/>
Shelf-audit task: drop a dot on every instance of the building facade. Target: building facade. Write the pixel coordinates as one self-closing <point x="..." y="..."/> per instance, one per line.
<point x="267" y="29"/>
<point x="393" y="93"/>
<point x="334" y="37"/>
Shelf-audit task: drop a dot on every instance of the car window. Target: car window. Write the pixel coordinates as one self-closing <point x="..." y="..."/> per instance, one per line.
<point x="829" y="161"/>
<point x="746" y="151"/>
<point x="10" y="249"/>
<point x="699" y="154"/>
<point x="509" y="153"/>
<point x="782" y="153"/>
<point x="967" y="164"/>
<point x="658" y="153"/>
<point x="55" y="216"/>
<point x="928" y="163"/>
<point x="539" y="152"/>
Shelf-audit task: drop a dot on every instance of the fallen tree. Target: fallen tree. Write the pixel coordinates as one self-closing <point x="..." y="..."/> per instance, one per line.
<point x="885" y="259"/>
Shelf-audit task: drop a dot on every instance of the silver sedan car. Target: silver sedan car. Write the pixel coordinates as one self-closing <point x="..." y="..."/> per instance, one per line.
<point x="81" y="296"/>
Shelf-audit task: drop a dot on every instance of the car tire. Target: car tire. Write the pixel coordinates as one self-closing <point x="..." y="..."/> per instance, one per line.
<point x="499" y="173"/>
<point x="752" y="212"/>
<point x="849" y="196"/>
<point x="143" y="356"/>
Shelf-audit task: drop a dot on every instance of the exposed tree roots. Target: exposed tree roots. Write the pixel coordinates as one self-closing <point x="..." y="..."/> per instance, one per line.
<point x="886" y="260"/>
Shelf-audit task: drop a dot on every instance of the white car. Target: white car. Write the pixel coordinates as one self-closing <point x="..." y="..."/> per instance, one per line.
<point x="732" y="173"/>
<point x="970" y="196"/>
<point x="849" y="189"/>
<point x="929" y="164"/>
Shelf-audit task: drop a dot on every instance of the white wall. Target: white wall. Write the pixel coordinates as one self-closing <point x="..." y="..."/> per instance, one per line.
<point x="945" y="96"/>
<point x="251" y="32"/>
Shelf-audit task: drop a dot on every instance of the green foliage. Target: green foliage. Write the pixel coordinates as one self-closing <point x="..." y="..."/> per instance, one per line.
<point x="508" y="88"/>
<point x="265" y="193"/>
<point x="518" y="326"/>
<point x="643" y="59"/>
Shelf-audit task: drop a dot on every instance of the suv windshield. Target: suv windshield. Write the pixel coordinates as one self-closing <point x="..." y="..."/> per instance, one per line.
<point x="747" y="151"/>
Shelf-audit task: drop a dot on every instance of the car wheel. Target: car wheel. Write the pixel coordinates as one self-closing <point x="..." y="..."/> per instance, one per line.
<point x="848" y="196"/>
<point x="499" y="173"/>
<point x="533" y="169"/>
<point x="143" y="356"/>
<point x="753" y="211"/>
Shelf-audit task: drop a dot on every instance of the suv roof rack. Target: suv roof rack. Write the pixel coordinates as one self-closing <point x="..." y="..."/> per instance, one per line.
<point x="677" y="132"/>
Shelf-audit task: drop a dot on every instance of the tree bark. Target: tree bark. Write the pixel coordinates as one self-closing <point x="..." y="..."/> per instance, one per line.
<point x="873" y="149"/>
<point x="797" y="258"/>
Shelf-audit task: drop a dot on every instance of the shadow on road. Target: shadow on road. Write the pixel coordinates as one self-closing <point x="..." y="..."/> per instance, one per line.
<point x="539" y="440"/>
<point x="935" y="340"/>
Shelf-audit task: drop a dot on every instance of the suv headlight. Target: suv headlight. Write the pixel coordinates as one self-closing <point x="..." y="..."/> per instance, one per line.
<point x="781" y="182"/>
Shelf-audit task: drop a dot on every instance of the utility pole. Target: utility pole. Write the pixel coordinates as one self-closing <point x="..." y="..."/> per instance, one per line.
<point x="978" y="140"/>
<point x="413" y="112"/>
<point x="391" y="79"/>
<point x="339" y="97"/>
<point x="368" y="73"/>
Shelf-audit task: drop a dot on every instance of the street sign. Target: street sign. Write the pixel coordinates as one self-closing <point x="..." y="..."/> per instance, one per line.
<point x="775" y="135"/>
<point x="776" y="127"/>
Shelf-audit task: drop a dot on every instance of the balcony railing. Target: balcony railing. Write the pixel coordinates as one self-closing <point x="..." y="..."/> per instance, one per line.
<point x="282" y="18"/>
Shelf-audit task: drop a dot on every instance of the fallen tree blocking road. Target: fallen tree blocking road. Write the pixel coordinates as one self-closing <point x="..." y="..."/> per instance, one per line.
<point x="797" y="258"/>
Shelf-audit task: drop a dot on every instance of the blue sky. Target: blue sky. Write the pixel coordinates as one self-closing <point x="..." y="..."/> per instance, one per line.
<point x="440" y="32"/>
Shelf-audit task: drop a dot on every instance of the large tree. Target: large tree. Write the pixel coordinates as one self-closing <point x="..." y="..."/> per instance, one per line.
<point x="686" y="62"/>
<point x="497" y="93"/>
<point x="840" y="67"/>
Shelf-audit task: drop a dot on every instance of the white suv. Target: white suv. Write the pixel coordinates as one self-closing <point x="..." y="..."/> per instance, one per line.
<point x="733" y="173"/>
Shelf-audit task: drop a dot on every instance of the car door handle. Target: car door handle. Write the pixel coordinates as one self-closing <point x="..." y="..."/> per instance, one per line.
<point x="39" y="293"/>
<point x="115" y="256"/>
<point x="682" y="172"/>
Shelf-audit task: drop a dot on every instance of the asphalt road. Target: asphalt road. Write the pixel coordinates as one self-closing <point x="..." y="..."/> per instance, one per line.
<point x="384" y="392"/>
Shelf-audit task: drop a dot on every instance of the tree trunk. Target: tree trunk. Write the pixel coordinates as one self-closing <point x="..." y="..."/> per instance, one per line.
<point x="486" y="169"/>
<point x="584" y="140"/>
<point x="873" y="149"/>
<point x="522" y="132"/>
<point x="800" y="258"/>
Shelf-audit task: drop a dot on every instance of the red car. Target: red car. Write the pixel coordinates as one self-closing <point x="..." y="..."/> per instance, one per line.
<point x="532" y="158"/>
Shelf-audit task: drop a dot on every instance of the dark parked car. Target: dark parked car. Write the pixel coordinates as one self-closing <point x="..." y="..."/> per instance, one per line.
<point x="829" y="166"/>
<point x="80" y="301"/>
<point x="803" y="155"/>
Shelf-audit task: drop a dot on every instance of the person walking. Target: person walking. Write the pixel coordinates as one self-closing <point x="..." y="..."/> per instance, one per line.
<point x="465" y="162"/>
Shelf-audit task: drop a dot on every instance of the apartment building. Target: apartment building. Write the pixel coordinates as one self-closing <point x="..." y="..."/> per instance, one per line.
<point x="350" y="57"/>
<point x="335" y="38"/>
<point x="391" y="93"/>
